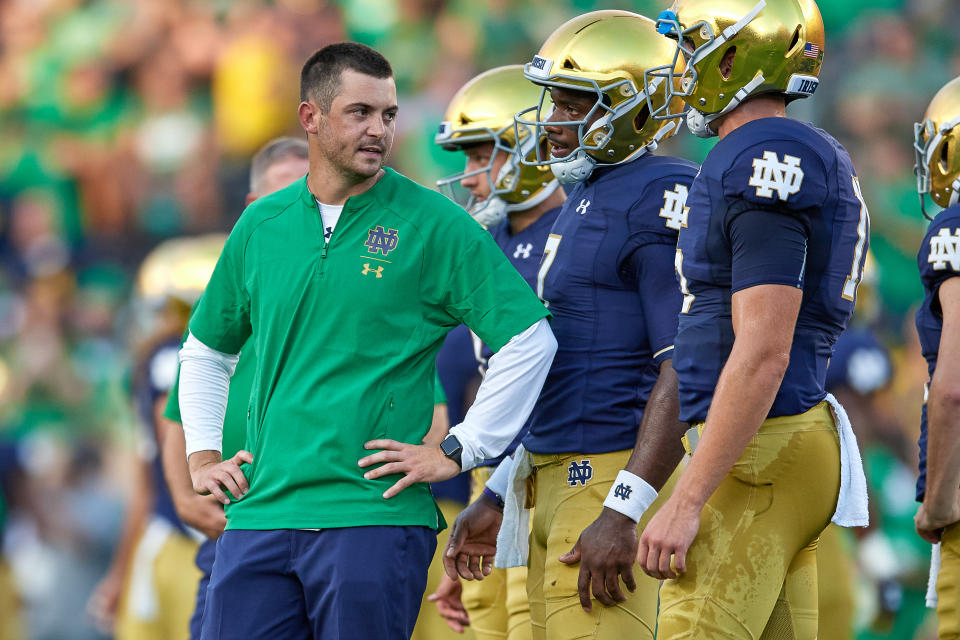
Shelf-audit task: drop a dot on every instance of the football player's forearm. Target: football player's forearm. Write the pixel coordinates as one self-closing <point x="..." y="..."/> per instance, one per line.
<point x="658" y="448"/>
<point x="744" y="395"/>
<point x="175" y="469"/>
<point x="943" y="407"/>
<point x="943" y="445"/>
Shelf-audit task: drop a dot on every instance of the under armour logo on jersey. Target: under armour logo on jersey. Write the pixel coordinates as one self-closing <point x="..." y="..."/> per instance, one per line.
<point x="945" y="248"/>
<point x="379" y="239"/>
<point x="622" y="491"/>
<point x="769" y="175"/>
<point x="579" y="473"/>
<point x="378" y="272"/>
<point x="675" y="207"/>
<point x="523" y="250"/>
<point x="582" y="207"/>
<point x="327" y="233"/>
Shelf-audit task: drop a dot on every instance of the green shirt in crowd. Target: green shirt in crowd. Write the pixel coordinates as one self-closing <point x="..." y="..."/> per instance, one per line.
<point x="346" y="334"/>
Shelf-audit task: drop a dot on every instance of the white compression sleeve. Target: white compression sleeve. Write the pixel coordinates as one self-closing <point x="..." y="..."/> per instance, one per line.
<point x="204" y="386"/>
<point x="507" y="394"/>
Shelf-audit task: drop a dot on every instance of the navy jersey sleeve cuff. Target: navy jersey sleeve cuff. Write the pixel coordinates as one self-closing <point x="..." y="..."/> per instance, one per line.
<point x="767" y="247"/>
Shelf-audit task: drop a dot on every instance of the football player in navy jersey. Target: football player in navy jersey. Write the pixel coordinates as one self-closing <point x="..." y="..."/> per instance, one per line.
<point x="607" y="278"/>
<point x="518" y="203"/>
<point x="937" y="143"/>
<point x="768" y="262"/>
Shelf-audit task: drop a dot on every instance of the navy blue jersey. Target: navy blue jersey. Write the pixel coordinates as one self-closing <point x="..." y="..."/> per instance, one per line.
<point x="154" y="379"/>
<point x="860" y="362"/>
<point x="524" y="250"/>
<point x="783" y="177"/>
<point x="459" y="378"/>
<point x="607" y="277"/>
<point x="938" y="260"/>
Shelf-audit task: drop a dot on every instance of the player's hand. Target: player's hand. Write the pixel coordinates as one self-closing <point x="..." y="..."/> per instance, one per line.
<point x="606" y="551"/>
<point x="473" y="540"/>
<point x="105" y="600"/>
<point x="204" y="513"/>
<point x="449" y="604"/>
<point x="213" y="476"/>
<point x="670" y="533"/>
<point x="931" y="522"/>
<point x="417" y="463"/>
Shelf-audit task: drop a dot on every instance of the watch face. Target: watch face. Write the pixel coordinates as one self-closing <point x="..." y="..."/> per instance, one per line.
<point x="450" y="446"/>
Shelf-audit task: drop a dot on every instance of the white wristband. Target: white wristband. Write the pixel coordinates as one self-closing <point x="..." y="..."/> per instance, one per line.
<point x="631" y="495"/>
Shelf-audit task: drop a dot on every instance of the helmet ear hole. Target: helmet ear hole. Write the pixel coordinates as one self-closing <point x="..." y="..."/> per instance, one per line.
<point x="726" y="62"/>
<point x="944" y="150"/>
<point x="794" y="43"/>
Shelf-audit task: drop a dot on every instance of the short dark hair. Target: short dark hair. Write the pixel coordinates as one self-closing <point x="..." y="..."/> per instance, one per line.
<point x="274" y="151"/>
<point x="320" y="76"/>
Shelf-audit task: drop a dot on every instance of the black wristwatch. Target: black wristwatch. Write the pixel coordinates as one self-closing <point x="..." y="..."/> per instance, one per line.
<point x="452" y="448"/>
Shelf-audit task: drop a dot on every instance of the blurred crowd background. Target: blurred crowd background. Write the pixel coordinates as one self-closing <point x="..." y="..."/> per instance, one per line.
<point x="127" y="122"/>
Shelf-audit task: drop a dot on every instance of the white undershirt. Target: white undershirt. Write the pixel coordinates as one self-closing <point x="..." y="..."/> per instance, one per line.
<point x="329" y="215"/>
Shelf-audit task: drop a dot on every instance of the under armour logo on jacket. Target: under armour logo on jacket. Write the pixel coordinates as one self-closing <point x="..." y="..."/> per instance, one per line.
<point x="582" y="207"/>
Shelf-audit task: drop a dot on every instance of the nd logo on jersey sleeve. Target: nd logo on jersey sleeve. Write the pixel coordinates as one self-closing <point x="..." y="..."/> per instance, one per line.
<point x="778" y="174"/>
<point x="675" y="208"/>
<point x="945" y="250"/>
<point x="771" y="176"/>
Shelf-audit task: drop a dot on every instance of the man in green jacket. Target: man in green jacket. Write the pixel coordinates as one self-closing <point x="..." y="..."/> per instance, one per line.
<point x="346" y="282"/>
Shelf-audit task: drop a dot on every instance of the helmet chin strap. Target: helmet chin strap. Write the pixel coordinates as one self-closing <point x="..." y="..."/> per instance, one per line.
<point x="490" y="212"/>
<point x="955" y="192"/>
<point x="699" y="122"/>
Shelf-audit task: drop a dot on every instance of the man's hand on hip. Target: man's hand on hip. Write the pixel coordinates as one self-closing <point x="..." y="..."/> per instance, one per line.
<point x="473" y="540"/>
<point x="212" y="475"/>
<point x="417" y="463"/>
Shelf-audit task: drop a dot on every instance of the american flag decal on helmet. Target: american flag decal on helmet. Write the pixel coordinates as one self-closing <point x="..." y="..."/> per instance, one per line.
<point x="811" y="50"/>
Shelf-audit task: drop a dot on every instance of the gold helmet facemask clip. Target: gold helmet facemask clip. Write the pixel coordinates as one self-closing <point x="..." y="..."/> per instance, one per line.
<point x="668" y="25"/>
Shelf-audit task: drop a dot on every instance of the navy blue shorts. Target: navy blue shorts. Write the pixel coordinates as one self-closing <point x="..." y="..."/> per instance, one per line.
<point x="205" y="555"/>
<point x="350" y="583"/>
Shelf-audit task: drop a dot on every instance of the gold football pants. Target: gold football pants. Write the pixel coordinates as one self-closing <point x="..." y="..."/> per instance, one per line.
<point x="948" y="585"/>
<point x="567" y="493"/>
<point x="161" y="588"/>
<point x="752" y="569"/>
<point x="498" y="604"/>
<point x="430" y="624"/>
<point x="836" y="595"/>
<point x="10" y="622"/>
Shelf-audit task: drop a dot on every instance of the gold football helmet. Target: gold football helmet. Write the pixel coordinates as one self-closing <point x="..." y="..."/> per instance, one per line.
<point x="604" y="53"/>
<point x="777" y="47"/>
<point x="178" y="269"/>
<point x="936" y="144"/>
<point x="482" y="111"/>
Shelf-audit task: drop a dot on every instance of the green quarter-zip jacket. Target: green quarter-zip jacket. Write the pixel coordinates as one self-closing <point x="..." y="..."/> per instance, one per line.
<point x="346" y="334"/>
